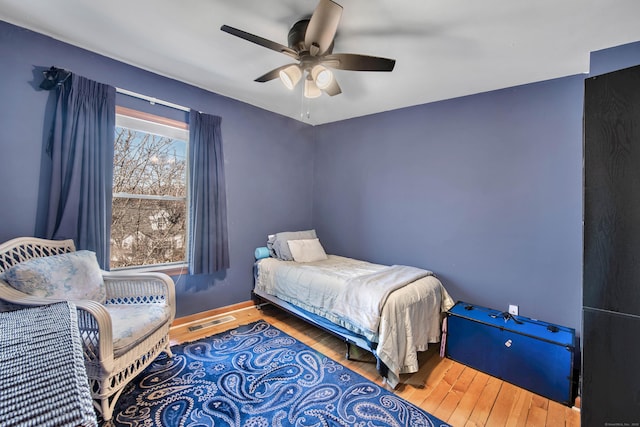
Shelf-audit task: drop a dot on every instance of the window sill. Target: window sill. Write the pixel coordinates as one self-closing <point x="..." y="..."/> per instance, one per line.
<point x="169" y="269"/>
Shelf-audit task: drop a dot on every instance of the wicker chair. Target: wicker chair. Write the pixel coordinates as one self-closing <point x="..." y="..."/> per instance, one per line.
<point x="109" y="366"/>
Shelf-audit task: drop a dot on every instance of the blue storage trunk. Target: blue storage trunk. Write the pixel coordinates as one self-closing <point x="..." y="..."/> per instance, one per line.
<point x="531" y="354"/>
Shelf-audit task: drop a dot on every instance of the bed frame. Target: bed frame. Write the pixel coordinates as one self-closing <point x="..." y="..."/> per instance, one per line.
<point x="347" y="336"/>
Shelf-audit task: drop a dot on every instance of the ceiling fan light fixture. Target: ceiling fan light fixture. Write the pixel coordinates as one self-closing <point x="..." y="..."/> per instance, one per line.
<point x="310" y="89"/>
<point x="321" y="76"/>
<point x="290" y="76"/>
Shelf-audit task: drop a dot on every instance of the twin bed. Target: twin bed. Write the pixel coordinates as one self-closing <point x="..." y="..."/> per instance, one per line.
<point x="392" y="311"/>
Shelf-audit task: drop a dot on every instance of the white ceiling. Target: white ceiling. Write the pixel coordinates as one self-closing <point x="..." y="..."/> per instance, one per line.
<point x="443" y="48"/>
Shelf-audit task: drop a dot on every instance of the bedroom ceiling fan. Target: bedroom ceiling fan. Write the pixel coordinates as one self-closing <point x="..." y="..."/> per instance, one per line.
<point x="311" y="44"/>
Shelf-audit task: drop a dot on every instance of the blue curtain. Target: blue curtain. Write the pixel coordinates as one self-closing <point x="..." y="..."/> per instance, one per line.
<point x="208" y="241"/>
<point x="81" y="150"/>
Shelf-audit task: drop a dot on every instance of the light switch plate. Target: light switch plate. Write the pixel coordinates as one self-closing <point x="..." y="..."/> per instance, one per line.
<point x="513" y="309"/>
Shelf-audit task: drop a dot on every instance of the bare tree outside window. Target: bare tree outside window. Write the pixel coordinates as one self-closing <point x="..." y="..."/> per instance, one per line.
<point x="149" y="213"/>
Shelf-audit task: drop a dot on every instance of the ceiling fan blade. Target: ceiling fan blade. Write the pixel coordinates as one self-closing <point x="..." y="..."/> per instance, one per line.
<point x="273" y="74"/>
<point x="261" y="41"/>
<point x="355" y="62"/>
<point x="322" y="27"/>
<point x="333" y="89"/>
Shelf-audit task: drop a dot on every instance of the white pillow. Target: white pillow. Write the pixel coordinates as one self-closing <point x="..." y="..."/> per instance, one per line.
<point x="68" y="276"/>
<point x="306" y="250"/>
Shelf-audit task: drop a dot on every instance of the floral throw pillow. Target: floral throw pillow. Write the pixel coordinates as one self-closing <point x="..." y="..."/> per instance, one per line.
<point x="70" y="276"/>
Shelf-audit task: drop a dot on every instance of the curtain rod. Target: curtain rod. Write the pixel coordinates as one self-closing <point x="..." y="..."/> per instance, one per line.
<point x="152" y="100"/>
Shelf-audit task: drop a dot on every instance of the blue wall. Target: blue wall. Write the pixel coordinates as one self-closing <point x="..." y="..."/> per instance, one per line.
<point x="616" y="58"/>
<point x="268" y="158"/>
<point x="484" y="190"/>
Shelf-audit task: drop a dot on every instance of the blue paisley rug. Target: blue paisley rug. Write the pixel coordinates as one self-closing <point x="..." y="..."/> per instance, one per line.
<point x="258" y="376"/>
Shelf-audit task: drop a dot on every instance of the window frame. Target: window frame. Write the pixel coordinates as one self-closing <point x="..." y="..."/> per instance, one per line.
<point x="173" y="268"/>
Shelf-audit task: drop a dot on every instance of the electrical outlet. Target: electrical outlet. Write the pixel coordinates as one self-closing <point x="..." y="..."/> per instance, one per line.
<point x="513" y="309"/>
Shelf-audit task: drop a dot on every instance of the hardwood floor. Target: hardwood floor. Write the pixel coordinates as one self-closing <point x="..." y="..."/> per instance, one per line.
<point x="453" y="392"/>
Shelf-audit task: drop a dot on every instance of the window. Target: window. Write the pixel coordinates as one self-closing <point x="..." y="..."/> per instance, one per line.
<point x="149" y="212"/>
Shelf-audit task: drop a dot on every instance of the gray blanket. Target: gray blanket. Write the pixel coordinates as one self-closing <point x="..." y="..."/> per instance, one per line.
<point x="363" y="297"/>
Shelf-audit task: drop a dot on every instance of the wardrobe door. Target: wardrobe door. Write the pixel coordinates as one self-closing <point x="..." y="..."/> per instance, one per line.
<point x="612" y="192"/>
<point x="610" y="374"/>
<point x="611" y="275"/>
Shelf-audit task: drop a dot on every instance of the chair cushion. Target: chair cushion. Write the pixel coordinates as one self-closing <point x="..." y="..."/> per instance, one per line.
<point x="132" y="323"/>
<point x="69" y="276"/>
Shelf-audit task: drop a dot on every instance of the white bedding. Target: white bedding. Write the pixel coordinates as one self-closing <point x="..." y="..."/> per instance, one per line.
<point x="409" y="320"/>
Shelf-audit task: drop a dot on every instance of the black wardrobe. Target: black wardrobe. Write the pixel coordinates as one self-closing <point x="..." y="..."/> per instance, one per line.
<point x="611" y="282"/>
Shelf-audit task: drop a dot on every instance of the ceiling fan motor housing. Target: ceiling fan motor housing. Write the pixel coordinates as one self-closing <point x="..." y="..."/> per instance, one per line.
<point x="297" y="34"/>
